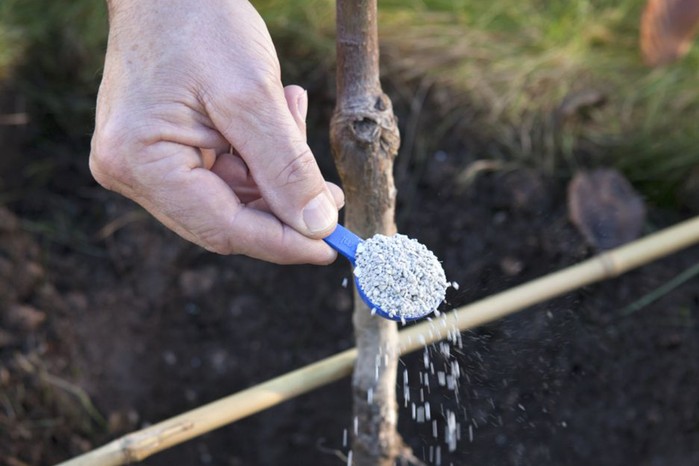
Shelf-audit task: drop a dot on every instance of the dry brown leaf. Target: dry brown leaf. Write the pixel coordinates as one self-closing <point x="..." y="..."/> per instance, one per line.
<point x="604" y="207"/>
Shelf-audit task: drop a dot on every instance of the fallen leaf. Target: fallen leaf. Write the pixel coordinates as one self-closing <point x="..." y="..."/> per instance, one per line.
<point x="667" y="30"/>
<point x="605" y="208"/>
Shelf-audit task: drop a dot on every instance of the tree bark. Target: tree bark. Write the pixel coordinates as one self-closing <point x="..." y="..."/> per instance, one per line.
<point x="365" y="140"/>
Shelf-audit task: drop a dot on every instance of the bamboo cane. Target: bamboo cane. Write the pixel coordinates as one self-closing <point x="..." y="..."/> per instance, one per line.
<point x="138" y="445"/>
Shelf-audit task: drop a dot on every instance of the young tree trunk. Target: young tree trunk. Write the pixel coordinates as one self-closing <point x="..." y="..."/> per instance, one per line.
<point x="365" y="140"/>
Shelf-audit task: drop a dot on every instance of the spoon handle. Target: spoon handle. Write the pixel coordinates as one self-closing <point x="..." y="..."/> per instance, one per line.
<point x="344" y="241"/>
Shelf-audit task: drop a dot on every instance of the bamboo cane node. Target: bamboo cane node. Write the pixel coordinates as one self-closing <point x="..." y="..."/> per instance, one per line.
<point x="142" y="444"/>
<point x="610" y="267"/>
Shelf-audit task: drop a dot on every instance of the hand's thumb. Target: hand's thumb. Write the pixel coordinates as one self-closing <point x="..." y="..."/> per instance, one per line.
<point x="297" y="102"/>
<point x="272" y="142"/>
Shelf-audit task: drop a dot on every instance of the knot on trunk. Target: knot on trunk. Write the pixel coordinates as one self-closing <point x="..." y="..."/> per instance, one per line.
<point x="366" y="130"/>
<point x="370" y="125"/>
<point x="365" y="140"/>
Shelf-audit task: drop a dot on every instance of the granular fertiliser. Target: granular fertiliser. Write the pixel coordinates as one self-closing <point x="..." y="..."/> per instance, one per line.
<point x="400" y="275"/>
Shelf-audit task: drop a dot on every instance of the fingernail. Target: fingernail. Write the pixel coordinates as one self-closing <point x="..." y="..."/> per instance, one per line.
<point x="302" y="104"/>
<point x="319" y="214"/>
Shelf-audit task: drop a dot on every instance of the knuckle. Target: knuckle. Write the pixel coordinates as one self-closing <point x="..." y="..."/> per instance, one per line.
<point x="105" y="158"/>
<point x="255" y="90"/>
<point x="114" y="144"/>
<point x="263" y="83"/>
<point x="218" y="239"/>
<point x="300" y="169"/>
<point x="219" y="247"/>
<point x="217" y="242"/>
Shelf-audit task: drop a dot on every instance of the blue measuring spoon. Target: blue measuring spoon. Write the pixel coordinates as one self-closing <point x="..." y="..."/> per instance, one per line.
<point x="345" y="242"/>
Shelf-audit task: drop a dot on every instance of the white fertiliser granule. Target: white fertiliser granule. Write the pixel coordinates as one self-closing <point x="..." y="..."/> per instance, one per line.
<point x="400" y="275"/>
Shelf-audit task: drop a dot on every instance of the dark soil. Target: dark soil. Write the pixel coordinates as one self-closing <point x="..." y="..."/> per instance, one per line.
<point x="110" y="322"/>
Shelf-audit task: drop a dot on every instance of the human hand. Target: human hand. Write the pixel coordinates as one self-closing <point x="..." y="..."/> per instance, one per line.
<point x="184" y="81"/>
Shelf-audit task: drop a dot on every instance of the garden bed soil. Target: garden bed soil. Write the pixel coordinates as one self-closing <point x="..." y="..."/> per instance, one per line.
<point x="111" y="322"/>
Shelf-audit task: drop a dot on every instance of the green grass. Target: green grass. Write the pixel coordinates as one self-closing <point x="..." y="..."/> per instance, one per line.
<point x="515" y="63"/>
<point x="30" y="27"/>
<point x="56" y="61"/>
<point x="506" y="67"/>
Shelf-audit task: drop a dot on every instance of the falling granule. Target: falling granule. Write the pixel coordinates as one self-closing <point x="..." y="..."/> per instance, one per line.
<point x="356" y="425"/>
<point x="344" y="438"/>
<point x="400" y="275"/>
<point x="349" y="458"/>
<point x="344" y="282"/>
<point x="451" y="382"/>
<point x="450" y="432"/>
<point x="455" y="285"/>
<point x="370" y="396"/>
<point x="420" y="414"/>
<point x="445" y="349"/>
<point x="455" y="369"/>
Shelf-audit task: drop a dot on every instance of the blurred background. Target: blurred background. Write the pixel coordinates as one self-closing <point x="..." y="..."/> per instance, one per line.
<point x="109" y="322"/>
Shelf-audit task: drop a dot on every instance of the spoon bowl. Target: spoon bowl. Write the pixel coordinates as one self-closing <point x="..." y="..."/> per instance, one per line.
<point x="346" y="242"/>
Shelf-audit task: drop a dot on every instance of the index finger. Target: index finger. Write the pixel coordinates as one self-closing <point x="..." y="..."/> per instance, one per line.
<point x="202" y="208"/>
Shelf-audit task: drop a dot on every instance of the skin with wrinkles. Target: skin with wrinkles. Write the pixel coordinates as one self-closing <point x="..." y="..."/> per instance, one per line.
<point x="193" y="123"/>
